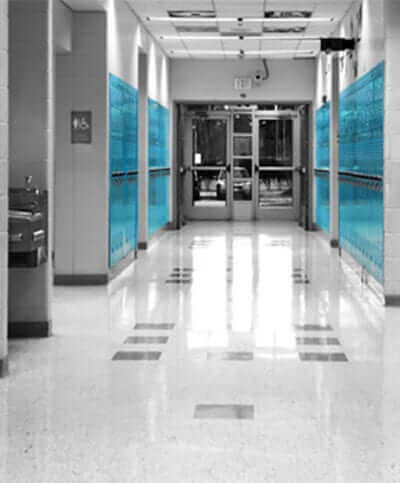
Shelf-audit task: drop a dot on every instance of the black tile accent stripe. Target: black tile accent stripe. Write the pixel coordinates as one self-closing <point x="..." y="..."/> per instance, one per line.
<point x="317" y="341"/>
<point x="146" y="339"/>
<point x="230" y="356"/>
<point x="313" y="327"/>
<point x="177" y="280"/>
<point x="320" y="357"/>
<point x="161" y="326"/>
<point x="136" y="356"/>
<point x="306" y="281"/>
<point x="224" y="411"/>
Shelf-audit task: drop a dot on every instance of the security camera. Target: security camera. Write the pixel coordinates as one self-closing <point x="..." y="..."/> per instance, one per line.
<point x="258" y="78"/>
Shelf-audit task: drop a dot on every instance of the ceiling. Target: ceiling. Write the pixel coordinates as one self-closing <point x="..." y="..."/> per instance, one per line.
<point x="208" y="38"/>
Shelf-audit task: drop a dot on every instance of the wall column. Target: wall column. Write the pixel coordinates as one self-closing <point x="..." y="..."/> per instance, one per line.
<point x="143" y="135"/>
<point x="32" y="151"/>
<point x="334" y="153"/>
<point x="392" y="154"/>
<point x="3" y="185"/>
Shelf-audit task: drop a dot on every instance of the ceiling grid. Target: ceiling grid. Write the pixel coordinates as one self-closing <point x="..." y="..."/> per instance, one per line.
<point x="270" y="28"/>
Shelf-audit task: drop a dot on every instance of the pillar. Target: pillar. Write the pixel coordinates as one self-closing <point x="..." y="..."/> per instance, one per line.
<point x="32" y="152"/>
<point x="143" y="135"/>
<point x="392" y="154"/>
<point x="334" y="153"/>
<point x="3" y="184"/>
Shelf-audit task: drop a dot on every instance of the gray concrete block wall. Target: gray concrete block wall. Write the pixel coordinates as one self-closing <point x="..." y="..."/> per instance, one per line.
<point x="32" y="148"/>
<point x="3" y="182"/>
<point x="81" y="218"/>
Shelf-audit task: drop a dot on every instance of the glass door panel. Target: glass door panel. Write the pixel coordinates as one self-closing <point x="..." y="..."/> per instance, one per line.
<point x="277" y="158"/>
<point x="242" y="179"/>
<point x="275" y="189"/>
<point x="209" y="162"/>
<point x="206" y="155"/>
<point x="275" y="142"/>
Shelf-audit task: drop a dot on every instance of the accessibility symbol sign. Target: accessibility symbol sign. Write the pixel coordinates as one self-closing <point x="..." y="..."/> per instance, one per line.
<point x="81" y="127"/>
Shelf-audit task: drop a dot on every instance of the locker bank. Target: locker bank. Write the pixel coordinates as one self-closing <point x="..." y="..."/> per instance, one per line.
<point x="200" y="241"/>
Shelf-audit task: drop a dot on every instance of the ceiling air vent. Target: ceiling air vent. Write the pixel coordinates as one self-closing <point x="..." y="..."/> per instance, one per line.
<point x="200" y="29"/>
<point x="284" y="30"/>
<point x="295" y="14"/>
<point x="192" y="13"/>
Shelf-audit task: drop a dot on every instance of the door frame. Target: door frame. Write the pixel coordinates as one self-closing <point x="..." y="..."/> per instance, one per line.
<point x="307" y="159"/>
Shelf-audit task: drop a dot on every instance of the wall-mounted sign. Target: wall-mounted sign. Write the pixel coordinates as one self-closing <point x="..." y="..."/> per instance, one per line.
<point x="243" y="83"/>
<point x="81" y="127"/>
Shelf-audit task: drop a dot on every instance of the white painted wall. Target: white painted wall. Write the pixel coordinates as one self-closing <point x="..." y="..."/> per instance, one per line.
<point x="31" y="140"/>
<point x="126" y="36"/>
<point x="369" y="52"/>
<point x="62" y="27"/>
<point x="81" y="237"/>
<point x="3" y="181"/>
<point x="213" y="80"/>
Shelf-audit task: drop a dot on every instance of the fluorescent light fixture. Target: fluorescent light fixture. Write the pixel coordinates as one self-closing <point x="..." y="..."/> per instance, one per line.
<point x="241" y="20"/>
<point x="245" y="52"/>
<point x="239" y="37"/>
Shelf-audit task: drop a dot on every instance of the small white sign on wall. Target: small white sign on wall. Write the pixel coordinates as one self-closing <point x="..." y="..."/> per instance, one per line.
<point x="243" y="83"/>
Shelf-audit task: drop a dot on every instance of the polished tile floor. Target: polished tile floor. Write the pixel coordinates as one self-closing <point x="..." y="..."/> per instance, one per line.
<point x="232" y="373"/>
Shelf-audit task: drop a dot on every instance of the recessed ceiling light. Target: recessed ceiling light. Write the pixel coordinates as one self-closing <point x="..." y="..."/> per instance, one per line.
<point x="194" y="14"/>
<point x="292" y="14"/>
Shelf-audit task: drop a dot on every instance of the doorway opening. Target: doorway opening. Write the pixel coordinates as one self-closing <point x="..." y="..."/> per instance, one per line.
<point x="245" y="162"/>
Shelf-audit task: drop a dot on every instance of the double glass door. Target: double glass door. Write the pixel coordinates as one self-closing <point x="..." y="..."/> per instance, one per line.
<point x="241" y="166"/>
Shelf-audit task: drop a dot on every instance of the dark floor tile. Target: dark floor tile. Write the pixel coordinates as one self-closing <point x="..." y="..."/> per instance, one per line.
<point x="315" y="327"/>
<point x="136" y="356"/>
<point x="230" y="356"/>
<point x="317" y="341"/>
<point x="154" y="326"/>
<point x="146" y="339"/>
<point x="319" y="357"/>
<point x="224" y="411"/>
<point x="178" y="281"/>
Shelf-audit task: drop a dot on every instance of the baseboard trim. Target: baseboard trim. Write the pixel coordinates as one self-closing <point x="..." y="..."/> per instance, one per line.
<point x="392" y="300"/>
<point x="4" y="367"/>
<point x="95" y="279"/>
<point x="334" y="243"/>
<point x="40" y="329"/>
